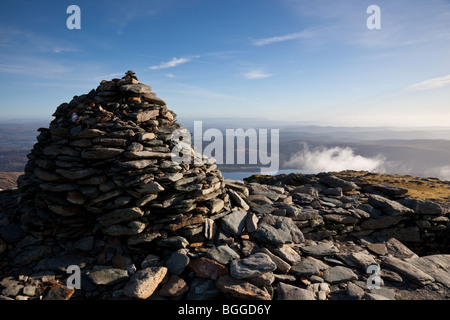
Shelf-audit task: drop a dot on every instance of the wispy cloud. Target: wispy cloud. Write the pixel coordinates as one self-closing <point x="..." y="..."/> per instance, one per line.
<point x="256" y="74"/>
<point x="18" y="41"/>
<point x="173" y="63"/>
<point x="430" y="84"/>
<point x="288" y="37"/>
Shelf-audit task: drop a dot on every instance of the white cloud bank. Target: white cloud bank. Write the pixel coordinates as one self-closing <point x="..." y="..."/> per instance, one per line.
<point x="334" y="159"/>
<point x="431" y="83"/>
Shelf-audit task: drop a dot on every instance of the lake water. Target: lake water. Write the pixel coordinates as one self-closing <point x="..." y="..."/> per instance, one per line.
<point x="240" y="175"/>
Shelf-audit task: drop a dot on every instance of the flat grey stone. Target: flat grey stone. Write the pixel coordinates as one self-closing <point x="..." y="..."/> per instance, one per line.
<point x="437" y="266"/>
<point x="108" y="276"/>
<point x="359" y="259"/>
<point x="398" y="249"/>
<point x="408" y="270"/>
<point x="306" y="267"/>
<point x="339" y="274"/>
<point x="234" y="223"/>
<point x="286" y="253"/>
<point x="136" y="89"/>
<point x="238" y="199"/>
<point x="223" y="254"/>
<point x="120" y="215"/>
<point x="278" y="230"/>
<point x="422" y="206"/>
<point x="290" y="292"/>
<point x="173" y="242"/>
<point x="252" y="266"/>
<point x="385" y="292"/>
<point x="320" y="250"/>
<point x="378" y="248"/>
<point x="354" y="292"/>
<point x="389" y="207"/>
<point x="373" y="296"/>
<point x="177" y="262"/>
<point x="335" y="182"/>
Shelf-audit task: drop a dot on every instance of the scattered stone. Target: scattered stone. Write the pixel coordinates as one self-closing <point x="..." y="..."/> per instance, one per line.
<point x="335" y="182"/>
<point x="286" y="253"/>
<point x="254" y="265"/>
<point x="241" y="289"/>
<point x="306" y="267"/>
<point x="223" y="254"/>
<point x="234" y="223"/>
<point x="408" y="270"/>
<point x="339" y="274"/>
<point x="319" y="250"/>
<point x="378" y="248"/>
<point x="59" y="292"/>
<point x="437" y="266"/>
<point x="144" y="282"/>
<point x="389" y="207"/>
<point x="398" y="249"/>
<point x="361" y="259"/>
<point x="354" y="292"/>
<point x="373" y="296"/>
<point x="177" y="261"/>
<point x="108" y="276"/>
<point x="290" y="292"/>
<point x="207" y="268"/>
<point x="174" y="287"/>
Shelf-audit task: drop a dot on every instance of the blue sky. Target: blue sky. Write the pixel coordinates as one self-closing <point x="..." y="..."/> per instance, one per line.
<point x="281" y="60"/>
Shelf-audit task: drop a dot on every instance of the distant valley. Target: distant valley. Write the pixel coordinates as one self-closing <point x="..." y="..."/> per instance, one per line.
<point x="421" y="152"/>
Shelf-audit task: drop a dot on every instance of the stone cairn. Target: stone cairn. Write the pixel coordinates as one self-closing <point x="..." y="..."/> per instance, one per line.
<point x="105" y="162"/>
<point x="101" y="192"/>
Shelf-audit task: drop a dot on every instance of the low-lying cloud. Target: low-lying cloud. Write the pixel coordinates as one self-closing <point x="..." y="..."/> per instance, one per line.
<point x="442" y="173"/>
<point x="334" y="159"/>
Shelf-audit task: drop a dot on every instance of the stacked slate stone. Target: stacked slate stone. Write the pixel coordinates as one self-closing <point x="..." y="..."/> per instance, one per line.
<point x="105" y="164"/>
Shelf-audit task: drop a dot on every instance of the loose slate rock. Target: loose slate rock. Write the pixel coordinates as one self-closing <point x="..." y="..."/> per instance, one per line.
<point x="108" y="276"/>
<point x="207" y="268"/>
<point x="223" y="254"/>
<point x="339" y="274"/>
<point x="234" y="223"/>
<point x="290" y="292"/>
<point x="408" y="270"/>
<point x="144" y="282"/>
<point x="306" y="267"/>
<point x="241" y="289"/>
<point x="319" y="250"/>
<point x="252" y="266"/>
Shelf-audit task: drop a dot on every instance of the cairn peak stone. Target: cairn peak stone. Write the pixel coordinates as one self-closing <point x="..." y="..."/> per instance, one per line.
<point x="105" y="163"/>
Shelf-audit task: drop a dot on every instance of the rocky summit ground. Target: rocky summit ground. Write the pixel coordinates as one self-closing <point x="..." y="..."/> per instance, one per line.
<point x="291" y="237"/>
